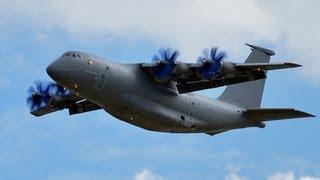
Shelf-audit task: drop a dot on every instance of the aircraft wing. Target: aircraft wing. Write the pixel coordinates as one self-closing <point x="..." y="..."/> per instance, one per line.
<point x="190" y="86"/>
<point x="189" y="81"/>
<point x="266" y="66"/>
<point x="188" y="76"/>
<point x="73" y="103"/>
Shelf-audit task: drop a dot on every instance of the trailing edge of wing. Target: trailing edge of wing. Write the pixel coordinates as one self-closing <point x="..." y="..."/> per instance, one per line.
<point x="206" y="84"/>
<point x="267" y="66"/>
<point x="269" y="114"/>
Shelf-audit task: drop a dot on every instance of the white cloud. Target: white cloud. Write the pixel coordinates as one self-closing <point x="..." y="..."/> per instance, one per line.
<point x="233" y="173"/>
<point x="309" y="178"/>
<point x="290" y="176"/>
<point x="298" y="23"/>
<point x="188" y="25"/>
<point x="234" y="176"/>
<point x="147" y="175"/>
<point x="282" y="176"/>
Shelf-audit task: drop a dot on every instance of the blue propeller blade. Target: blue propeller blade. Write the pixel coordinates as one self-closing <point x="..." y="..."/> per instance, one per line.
<point x="40" y="94"/>
<point x="211" y="61"/>
<point x="166" y="58"/>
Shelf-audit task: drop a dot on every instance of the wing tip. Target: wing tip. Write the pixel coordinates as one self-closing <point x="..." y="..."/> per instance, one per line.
<point x="305" y="114"/>
<point x="293" y="64"/>
<point x="310" y="115"/>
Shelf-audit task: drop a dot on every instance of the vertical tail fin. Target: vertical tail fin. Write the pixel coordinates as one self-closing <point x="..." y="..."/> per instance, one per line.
<point x="248" y="94"/>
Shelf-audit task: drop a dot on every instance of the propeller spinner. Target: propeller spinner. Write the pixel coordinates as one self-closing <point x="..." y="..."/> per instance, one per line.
<point x="166" y="64"/>
<point x="211" y="61"/>
<point x="40" y="94"/>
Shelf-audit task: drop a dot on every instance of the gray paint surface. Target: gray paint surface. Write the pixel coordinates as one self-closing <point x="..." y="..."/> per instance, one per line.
<point x="129" y="94"/>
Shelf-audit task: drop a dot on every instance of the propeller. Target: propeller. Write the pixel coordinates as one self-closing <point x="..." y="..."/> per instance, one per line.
<point x="59" y="90"/>
<point x="40" y="94"/>
<point x="211" y="61"/>
<point x="166" y="63"/>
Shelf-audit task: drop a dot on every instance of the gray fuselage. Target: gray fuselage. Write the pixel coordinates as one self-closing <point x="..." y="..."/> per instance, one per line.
<point x="131" y="95"/>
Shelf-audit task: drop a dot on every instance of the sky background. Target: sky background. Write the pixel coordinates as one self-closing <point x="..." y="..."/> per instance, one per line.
<point x="97" y="146"/>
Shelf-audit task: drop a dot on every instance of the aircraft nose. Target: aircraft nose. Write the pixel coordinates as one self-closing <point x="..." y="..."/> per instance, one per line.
<point x="52" y="70"/>
<point x="60" y="70"/>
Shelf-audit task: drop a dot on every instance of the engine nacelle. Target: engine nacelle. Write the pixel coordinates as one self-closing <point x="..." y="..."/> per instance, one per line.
<point x="228" y="67"/>
<point x="182" y="70"/>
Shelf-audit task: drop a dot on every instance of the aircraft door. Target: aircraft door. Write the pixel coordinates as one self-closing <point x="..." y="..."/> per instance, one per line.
<point x="102" y="79"/>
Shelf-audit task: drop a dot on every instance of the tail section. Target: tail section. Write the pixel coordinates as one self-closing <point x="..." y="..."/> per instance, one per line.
<point x="248" y="94"/>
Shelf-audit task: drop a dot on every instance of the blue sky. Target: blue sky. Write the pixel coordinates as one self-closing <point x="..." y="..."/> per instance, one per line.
<point x="97" y="146"/>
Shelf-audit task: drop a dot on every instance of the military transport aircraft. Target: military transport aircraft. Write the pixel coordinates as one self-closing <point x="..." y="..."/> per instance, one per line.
<point x="158" y="96"/>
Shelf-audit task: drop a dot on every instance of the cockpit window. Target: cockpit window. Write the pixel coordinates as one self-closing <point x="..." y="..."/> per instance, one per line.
<point x="78" y="56"/>
<point x="74" y="55"/>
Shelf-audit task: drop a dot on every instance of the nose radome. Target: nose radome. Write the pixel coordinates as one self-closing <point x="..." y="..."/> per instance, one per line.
<point x="59" y="70"/>
<point x="52" y="70"/>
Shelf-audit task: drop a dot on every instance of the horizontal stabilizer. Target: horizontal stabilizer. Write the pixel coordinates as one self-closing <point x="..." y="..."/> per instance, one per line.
<point x="269" y="114"/>
<point x="266" y="66"/>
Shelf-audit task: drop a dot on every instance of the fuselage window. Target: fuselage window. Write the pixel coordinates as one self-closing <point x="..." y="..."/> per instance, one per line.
<point x="78" y="55"/>
<point x="74" y="55"/>
<point x="67" y="54"/>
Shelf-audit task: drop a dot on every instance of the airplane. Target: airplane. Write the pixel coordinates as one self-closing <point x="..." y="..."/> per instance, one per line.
<point x="159" y="96"/>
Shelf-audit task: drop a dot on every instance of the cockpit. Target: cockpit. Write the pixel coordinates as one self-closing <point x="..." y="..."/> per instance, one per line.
<point x="72" y="54"/>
